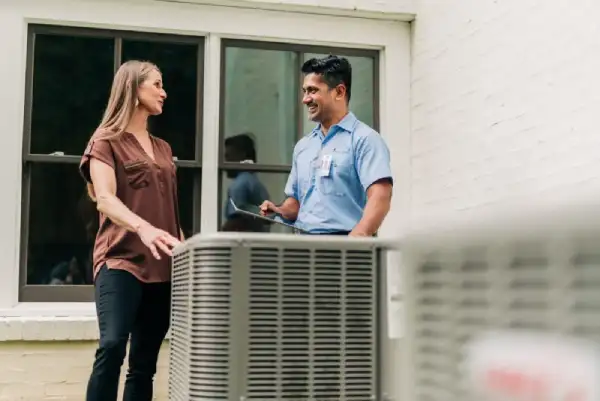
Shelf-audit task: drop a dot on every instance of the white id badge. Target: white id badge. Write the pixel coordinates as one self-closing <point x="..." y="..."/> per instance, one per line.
<point x="325" y="166"/>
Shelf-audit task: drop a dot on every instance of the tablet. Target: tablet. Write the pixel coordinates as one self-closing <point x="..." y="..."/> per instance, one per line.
<point x="254" y="211"/>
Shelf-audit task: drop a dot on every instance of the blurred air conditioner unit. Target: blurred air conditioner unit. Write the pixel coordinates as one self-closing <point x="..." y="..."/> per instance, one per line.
<point x="527" y="271"/>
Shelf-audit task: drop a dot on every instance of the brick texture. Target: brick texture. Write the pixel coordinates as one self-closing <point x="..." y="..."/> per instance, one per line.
<point x="58" y="371"/>
<point x="505" y="100"/>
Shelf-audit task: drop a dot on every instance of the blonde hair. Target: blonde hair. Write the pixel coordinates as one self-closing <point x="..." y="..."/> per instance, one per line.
<point x="122" y="103"/>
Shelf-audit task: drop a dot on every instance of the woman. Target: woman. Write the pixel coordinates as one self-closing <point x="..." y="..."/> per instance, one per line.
<point x="131" y="176"/>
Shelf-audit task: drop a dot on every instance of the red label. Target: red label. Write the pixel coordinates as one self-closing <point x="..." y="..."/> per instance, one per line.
<point x="529" y="387"/>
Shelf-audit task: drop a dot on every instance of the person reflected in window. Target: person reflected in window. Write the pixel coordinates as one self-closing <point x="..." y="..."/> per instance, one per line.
<point x="66" y="273"/>
<point x="131" y="176"/>
<point x="246" y="188"/>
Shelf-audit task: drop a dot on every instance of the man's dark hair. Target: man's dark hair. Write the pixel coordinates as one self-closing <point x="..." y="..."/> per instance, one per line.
<point x="243" y="144"/>
<point x="333" y="69"/>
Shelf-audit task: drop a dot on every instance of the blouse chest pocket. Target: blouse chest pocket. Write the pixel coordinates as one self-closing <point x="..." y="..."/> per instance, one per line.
<point x="137" y="173"/>
<point x="340" y="170"/>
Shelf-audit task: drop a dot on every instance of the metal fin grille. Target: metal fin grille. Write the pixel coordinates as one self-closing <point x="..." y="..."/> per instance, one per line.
<point x="201" y="312"/>
<point x="312" y="322"/>
<point x="545" y="286"/>
<point x="179" y="367"/>
<point x="274" y="320"/>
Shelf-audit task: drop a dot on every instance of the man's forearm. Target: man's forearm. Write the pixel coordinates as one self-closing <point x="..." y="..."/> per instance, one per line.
<point x="289" y="209"/>
<point x="377" y="207"/>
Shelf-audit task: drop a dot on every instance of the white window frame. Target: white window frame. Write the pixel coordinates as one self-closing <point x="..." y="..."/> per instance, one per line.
<point x="391" y="38"/>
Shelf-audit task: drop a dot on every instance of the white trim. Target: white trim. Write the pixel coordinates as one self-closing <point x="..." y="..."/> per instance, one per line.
<point x="49" y="321"/>
<point x="42" y="328"/>
<point x="395" y="10"/>
<point x="392" y="37"/>
<point x="11" y="113"/>
<point x="395" y="78"/>
<point x="50" y="309"/>
<point x="210" y="135"/>
<point x="198" y="20"/>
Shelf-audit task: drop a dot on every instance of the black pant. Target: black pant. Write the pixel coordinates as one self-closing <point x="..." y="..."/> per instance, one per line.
<point x="126" y="306"/>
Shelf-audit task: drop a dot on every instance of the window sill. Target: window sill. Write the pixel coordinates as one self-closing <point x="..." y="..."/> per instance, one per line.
<point x="49" y="322"/>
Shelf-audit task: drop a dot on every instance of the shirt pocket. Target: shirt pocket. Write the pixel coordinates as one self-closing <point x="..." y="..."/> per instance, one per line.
<point x="335" y="183"/>
<point x="304" y="175"/>
<point x="137" y="173"/>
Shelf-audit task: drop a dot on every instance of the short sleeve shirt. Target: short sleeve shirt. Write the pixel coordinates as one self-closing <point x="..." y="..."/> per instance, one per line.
<point x="331" y="175"/>
<point x="148" y="188"/>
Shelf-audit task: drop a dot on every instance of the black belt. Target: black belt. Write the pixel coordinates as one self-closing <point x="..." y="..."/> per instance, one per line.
<point x="330" y="233"/>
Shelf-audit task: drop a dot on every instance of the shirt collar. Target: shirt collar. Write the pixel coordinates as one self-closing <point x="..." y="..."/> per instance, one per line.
<point x="347" y="124"/>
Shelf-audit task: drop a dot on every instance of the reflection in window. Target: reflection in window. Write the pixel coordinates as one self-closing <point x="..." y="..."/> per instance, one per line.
<point x="244" y="187"/>
<point x="178" y="63"/>
<point x="260" y="90"/>
<point x="65" y="223"/>
<point x="63" y="226"/>
<point x="71" y="84"/>
<point x="187" y="180"/>
<point x="246" y="190"/>
<point x="362" y="101"/>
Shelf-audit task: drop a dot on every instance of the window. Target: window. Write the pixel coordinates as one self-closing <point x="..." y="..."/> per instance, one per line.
<point x="69" y="74"/>
<point x="261" y="98"/>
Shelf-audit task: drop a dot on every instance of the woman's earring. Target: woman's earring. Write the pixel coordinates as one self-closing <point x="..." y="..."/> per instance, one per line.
<point x="137" y="102"/>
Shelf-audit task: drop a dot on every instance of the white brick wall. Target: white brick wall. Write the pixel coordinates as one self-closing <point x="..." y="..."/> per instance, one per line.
<point x="59" y="371"/>
<point x="505" y="101"/>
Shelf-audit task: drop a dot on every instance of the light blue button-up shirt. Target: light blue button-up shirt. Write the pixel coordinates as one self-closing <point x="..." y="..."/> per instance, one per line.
<point x="335" y="200"/>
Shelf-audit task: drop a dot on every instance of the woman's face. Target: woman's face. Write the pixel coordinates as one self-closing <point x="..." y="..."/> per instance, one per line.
<point x="151" y="93"/>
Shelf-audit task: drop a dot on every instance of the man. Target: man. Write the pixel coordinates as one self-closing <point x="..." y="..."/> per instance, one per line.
<point x="341" y="182"/>
<point x="246" y="188"/>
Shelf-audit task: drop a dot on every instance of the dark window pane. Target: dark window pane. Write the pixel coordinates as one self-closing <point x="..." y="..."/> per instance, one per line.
<point x="71" y="83"/>
<point x="62" y="226"/>
<point x="250" y="189"/>
<point x="188" y="182"/>
<point x="363" y="88"/>
<point x="261" y="97"/>
<point x="63" y="222"/>
<point x="179" y="66"/>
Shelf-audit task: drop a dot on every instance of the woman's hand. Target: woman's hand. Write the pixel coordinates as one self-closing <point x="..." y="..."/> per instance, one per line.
<point x="156" y="239"/>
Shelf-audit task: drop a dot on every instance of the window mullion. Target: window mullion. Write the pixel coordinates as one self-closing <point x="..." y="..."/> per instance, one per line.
<point x="210" y="134"/>
<point x="299" y="113"/>
<point x="118" y="52"/>
<point x="199" y="101"/>
<point x="25" y="224"/>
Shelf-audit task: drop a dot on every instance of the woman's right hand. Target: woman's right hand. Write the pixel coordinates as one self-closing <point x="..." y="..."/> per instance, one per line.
<point x="156" y="239"/>
<point x="268" y="207"/>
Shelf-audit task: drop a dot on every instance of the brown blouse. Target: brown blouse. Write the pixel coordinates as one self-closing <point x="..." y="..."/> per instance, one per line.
<point x="149" y="189"/>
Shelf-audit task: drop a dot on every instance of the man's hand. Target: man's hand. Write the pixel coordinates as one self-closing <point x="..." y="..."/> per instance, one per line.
<point x="359" y="233"/>
<point x="268" y="207"/>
